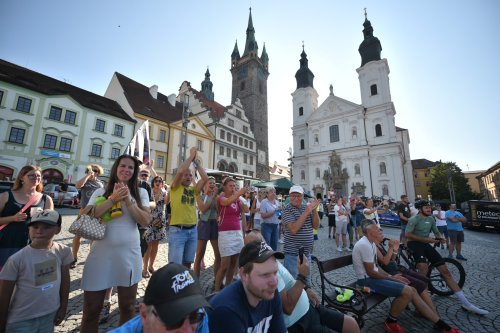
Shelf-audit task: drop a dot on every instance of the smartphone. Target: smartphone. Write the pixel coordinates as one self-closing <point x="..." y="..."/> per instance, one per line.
<point x="301" y="254"/>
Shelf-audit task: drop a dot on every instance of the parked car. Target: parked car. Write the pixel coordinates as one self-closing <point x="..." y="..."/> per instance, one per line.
<point x="5" y="185"/>
<point x="389" y="218"/>
<point x="70" y="197"/>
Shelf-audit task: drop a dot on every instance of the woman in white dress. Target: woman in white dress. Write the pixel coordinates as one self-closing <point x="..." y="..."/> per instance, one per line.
<point x="116" y="259"/>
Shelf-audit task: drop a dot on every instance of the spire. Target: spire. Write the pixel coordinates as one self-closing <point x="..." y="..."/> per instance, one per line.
<point x="251" y="46"/>
<point x="264" y="57"/>
<point x="370" y="47"/>
<point x="206" y="86"/>
<point x="236" y="53"/>
<point x="304" y="76"/>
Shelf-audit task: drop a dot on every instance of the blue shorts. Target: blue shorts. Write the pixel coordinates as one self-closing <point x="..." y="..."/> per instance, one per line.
<point x="208" y="230"/>
<point x="384" y="287"/>
<point x="43" y="324"/>
<point x="403" y="229"/>
<point x="182" y="244"/>
<point x="443" y="229"/>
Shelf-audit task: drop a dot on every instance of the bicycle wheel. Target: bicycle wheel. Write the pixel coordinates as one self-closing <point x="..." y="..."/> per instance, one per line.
<point x="437" y="284"/>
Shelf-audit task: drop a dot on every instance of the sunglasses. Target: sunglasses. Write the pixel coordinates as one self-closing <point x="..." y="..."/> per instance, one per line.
<point x="194" y="317"/>
<point x="158" y="180"/>
<point x="95" y="171"/>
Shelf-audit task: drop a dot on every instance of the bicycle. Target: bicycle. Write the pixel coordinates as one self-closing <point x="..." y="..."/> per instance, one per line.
<point x="437" y="284"/>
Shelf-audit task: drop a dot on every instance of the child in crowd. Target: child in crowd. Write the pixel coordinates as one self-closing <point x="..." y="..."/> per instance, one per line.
<point x="34" y="283"/>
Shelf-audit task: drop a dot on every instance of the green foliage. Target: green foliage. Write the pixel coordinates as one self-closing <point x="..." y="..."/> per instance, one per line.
<point x="440" y="177"/>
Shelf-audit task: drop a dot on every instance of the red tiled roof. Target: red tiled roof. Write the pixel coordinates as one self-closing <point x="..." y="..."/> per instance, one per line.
<point x="26" y="78"/>
<point x="141" y="101"/>
<point x="217" y="109"/>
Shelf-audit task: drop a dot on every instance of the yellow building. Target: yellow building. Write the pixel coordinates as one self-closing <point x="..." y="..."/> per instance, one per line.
<point x="472" y="179"/>
<point x="489" y="183"/>
<point x="422" y="177"/>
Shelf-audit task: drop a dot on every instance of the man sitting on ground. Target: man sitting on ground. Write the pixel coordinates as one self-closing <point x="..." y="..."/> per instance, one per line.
<point x="301" y="306"/>
<point x="364" y="261"/>
<point x="251" y="304"/>
<point x="417" y="232"/>
<point x="173" y="302"/>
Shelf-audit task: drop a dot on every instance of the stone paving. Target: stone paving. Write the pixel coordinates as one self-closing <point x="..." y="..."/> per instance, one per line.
<point x="482" y="287"/>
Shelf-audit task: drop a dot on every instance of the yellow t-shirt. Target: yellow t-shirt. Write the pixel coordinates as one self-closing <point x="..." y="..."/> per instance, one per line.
<point x="183" y="205"/>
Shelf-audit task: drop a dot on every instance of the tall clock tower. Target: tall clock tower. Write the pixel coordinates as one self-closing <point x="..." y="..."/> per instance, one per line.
<point x="250" y="73"/>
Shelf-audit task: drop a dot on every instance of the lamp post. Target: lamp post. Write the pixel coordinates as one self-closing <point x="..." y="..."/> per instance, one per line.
<point x="185" y="122"/>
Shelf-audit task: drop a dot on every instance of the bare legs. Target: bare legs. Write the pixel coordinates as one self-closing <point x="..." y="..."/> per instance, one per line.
<point x="227" y="267"/>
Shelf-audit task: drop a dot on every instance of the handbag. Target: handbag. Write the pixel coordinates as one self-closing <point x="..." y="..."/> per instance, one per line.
<point x="87" y="226"/>
<point x="33" y="199"/>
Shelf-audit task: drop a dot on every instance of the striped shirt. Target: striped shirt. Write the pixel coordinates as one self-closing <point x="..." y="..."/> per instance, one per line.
<point x="303" y="237"/>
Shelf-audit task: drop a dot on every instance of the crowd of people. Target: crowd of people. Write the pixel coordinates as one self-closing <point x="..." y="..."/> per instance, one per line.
<point x="256" y="287"/>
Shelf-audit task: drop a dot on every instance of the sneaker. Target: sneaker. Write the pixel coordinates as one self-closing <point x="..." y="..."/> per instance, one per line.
<point x="450" y="256"/>
<point x="280" y="241"/>
<point x="474" y="309"/>
<point x="348" y="249"/>
<point x="339" y="249"/>
<point x="461" y="257"/>
<point x="104" y="316"/>
<point x="393" y="327"/>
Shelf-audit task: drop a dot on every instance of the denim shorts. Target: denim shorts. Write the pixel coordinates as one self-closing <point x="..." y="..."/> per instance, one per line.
<point x="43" y="324"/>
<point x="384" y="287"/>
<point x="182" y="245"/>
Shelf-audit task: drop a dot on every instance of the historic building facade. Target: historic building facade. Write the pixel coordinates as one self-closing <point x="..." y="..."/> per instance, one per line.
<point x="250" y="73"/>
<point x="347" y="147"/>
<point x="57" y="126"/>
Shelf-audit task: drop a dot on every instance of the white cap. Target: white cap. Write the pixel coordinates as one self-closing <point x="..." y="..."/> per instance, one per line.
<point x="296" y="189"/>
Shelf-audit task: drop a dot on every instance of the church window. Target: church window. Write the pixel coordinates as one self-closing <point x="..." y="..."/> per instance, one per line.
<point x="318" y="173"/>
<point x="316" y="138"/>
<point x="222" y="134"/>
<point x="242" y="85"/>
<point x="378" y="130"/>
<point x="334" y="133"/>
<point x="383" y="170"/>
<point x="385" y="189"/>
<point x="301" y="111"/>
<point x="357" y="170"/>
<point x="302" y="175"/>
<point x="354" y="132"/>
<point x="302" y="145"/>
<point x="373" y="89"/>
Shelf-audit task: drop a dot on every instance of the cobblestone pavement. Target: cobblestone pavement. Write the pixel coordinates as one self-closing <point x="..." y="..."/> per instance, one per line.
<point x="482" y="287"/>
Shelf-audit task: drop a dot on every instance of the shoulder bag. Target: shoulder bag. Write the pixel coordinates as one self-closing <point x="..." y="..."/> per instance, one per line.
<point x="87" y="226"/>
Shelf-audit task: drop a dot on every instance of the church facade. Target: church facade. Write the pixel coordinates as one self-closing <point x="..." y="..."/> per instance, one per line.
<point x="346" y="147"/>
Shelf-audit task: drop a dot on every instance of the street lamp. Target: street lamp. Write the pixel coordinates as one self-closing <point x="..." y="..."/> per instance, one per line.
<point x="185" y="122"/>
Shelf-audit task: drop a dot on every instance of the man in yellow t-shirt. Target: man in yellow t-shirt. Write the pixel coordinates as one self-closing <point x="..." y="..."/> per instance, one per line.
<point x="183" y="235"/>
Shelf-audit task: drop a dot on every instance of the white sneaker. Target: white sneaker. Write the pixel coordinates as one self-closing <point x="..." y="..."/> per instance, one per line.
<point x="281" y="241"/>
<point x="474" y="309"/>
<point x="339" y="249"/>
<point x="348" y="249"/>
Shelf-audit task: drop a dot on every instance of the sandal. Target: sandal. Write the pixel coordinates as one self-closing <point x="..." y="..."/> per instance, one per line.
<point x="145" y="274"/>
<point x="151" y="269"/>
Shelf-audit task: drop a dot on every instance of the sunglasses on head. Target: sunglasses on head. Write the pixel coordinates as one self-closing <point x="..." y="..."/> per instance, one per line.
<point x="194" y="317"/>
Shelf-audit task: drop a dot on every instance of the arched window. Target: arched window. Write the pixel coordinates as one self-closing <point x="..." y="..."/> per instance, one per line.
<point x="302" y="144"/>
<point x="302" y="175"/>
<point x="385" y="189"/>
<point x="378" y="130"/>
<point x="383" y="170"/>
<point x="318" y="173"/>
<point x="354" y="132"/>
<point x="357" y="170"/>
<point x="316" y="138"/>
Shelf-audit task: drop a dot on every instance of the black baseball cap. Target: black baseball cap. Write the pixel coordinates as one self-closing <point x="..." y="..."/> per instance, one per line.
<point x="175" y="292"/>
<point x="257" y="252"/>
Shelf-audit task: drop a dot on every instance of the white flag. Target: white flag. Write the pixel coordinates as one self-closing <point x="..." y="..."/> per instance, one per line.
<point x="140" y="146"/>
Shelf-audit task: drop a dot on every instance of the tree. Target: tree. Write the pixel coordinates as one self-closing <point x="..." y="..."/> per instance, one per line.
<point x="445" y="174"/>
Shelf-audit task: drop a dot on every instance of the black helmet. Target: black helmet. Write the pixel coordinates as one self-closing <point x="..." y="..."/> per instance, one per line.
<point x="421" y="203"/>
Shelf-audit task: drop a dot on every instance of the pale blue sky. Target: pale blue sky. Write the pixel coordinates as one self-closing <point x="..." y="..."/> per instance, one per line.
<point x="442" y="55"/>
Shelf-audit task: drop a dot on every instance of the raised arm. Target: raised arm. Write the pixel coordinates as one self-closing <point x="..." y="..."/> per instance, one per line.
<point x="183" y="168"/>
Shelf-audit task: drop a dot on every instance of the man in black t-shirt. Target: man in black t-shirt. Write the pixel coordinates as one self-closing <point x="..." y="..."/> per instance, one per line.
<point x="404" y="214"/>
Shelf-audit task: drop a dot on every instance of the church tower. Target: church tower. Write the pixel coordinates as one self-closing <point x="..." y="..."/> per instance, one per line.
<point x="250" y="73"/>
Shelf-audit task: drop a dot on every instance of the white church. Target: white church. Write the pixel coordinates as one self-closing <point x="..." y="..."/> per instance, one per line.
<point x="346" y="147"/>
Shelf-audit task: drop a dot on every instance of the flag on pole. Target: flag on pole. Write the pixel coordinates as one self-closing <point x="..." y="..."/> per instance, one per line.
<point x="140" y="145"/>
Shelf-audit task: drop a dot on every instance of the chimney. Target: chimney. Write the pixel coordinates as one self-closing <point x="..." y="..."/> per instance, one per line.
<point x="154" y="91"/>
<point x="171" y="99"/>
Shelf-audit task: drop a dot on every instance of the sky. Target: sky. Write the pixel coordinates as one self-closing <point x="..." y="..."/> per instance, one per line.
<point x="442" y="56"/>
